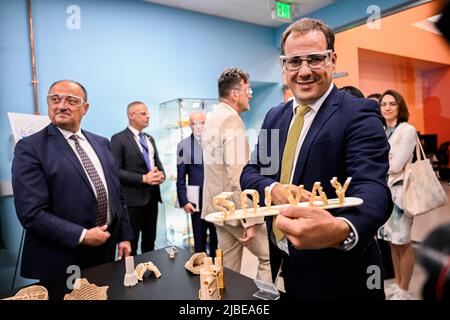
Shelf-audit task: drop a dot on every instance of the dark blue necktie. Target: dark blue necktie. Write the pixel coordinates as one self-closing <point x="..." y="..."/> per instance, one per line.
<point x="144" y="145"/>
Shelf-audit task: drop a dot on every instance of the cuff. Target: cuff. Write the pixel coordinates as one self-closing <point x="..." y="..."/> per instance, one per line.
<point x="352" y="229"/>
<point x="83" y="234"/>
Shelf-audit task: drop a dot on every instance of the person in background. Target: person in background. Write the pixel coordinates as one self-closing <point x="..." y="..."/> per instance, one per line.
<point x="190" y="165"/>
<point x="397" y="230"/>
<point x="67" y="192"/>
<point x="141" y="172"/>
<point x="374" y="96"/>
<point x="225" y="152"/>
<point x="353" y="91"/>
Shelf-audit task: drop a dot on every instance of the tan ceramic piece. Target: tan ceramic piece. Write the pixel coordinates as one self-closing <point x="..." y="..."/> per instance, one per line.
<point x="83" y="290"/>
<point x="317" y="188"/>
<point x="142" y="268"/>
<point x="255" y="198"/>
<point x="195" y="262"/>
<point x="30" y="293"/>
<point x="223" y="203"/>
<point x="298" y="195"/>
<point x="209" y="280"/>
<point x="340" y="190"/>
<point x="267" y="197"/>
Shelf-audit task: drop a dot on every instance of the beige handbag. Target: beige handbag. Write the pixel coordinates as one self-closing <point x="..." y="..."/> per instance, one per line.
<point x="422" y="191"/>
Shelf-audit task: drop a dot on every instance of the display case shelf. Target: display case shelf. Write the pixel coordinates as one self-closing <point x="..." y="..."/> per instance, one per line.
<point x="174" y="127"/>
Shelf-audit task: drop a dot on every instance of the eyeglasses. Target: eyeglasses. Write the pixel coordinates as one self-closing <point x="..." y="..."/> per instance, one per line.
<point x="314" y="61"/>
<point x="249" y="90"/>
<point x="73" y="101"/>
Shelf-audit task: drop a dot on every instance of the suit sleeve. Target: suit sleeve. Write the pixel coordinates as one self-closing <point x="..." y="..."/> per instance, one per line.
<point x="181" y="176"/>
<point x="366" y="161"/>
<point x="158" y="162"/>
<point x="262" y="161"/>
<point x="31" y="197"/>
<point x="126" y="176"/>
<point x="126" y="232"/>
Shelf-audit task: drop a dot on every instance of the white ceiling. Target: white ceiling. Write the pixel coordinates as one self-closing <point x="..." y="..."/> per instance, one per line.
<point x="253" y="11"/>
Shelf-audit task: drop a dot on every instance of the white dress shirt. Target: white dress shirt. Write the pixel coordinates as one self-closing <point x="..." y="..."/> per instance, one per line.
<point x="84" y="143"/>
<point x="307" y="121"/>
<point x="151" y="151"/>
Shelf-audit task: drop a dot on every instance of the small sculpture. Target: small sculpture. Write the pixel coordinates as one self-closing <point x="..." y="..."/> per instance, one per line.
<point x="298" y="195"/>
<point x="209" y="280"/>
<point x="195" y="262"/>
<point x="30" y="293"/>
<point x="267" y="197"/>
<point x="255" y="198"/>
<point x="219" y="261"/>
<point x="83" y="290"/>
<point x="340" y="190"/>
<point x="171" y="251"/>
<point x="317" y="188"/>
<point x="130" y="278"/>
<point x="141" y="268"/>
<point x="222" y="203"/>
<point x="227" y="210"/>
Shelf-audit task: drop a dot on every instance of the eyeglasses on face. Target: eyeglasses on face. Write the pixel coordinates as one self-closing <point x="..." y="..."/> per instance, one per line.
<point x="314" y="61"/>
<point x="56" y="98"/>
<point x="248" y="90"/>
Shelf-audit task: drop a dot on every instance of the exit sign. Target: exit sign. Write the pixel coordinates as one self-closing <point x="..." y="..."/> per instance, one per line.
<point x="283" y="10"/>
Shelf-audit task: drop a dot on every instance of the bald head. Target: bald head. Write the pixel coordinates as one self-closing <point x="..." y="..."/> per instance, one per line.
<point x="196" y="121"/>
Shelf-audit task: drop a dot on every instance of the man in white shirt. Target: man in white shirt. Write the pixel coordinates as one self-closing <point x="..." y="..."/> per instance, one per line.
<point x="322" y="133"/>
<point x="67" y="192"/>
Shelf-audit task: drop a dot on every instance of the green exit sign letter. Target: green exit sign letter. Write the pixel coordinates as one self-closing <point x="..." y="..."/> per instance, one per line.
<point x="283" y="10"/>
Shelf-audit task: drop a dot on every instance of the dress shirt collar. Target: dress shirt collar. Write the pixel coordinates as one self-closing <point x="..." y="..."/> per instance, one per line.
<point x="317" y="104"/>
<point x="134" y="131"/>
<point x="67" y="134"/>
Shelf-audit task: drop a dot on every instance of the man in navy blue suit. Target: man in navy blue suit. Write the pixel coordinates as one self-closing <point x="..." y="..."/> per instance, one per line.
<point x="67" y="192"/>
<point x="190" y="164"/>
<point x="322" y="133"/>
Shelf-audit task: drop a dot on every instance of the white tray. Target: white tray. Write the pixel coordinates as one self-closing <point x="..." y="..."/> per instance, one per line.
<point x="274" y="210"/>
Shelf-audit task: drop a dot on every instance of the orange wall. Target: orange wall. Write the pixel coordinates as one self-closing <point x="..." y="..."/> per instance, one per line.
<point x="397" y="56"/>
<point x="396" y="36"/>
<point x="436" y="105"/>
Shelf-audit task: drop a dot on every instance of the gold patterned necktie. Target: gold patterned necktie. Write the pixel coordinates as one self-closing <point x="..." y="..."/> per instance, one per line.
<point x="287" y="162"/>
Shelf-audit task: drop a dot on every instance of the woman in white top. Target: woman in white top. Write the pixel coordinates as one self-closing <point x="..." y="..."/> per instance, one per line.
<point x="397" y="230"/>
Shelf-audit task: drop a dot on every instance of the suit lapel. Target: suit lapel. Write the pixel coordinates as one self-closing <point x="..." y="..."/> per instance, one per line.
<point x="133" y="144"/>
<point x="328" y="107"/>
<point x="286" y="119"/>
<point x="63" y="146"/>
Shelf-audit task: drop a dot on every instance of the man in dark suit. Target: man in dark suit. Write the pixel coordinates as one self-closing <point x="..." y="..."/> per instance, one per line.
<point x="322" y="133"/>
<point x="141" y="173"/>
<point x="190" y="164"/>
<point x="67" y="192"/>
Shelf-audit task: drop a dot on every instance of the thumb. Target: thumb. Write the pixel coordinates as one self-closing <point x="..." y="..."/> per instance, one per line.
<point x="120" y="253"/>
<point x="104" y="227"/>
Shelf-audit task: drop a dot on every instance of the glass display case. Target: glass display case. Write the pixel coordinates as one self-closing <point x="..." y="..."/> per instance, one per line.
<point x="174" y="127"/>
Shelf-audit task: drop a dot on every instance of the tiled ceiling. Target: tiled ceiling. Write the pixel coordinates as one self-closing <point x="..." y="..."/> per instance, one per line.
<point x="253" y="11"/>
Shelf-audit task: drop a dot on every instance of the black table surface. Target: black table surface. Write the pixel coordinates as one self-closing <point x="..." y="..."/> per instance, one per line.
<point x="175" y="283"/>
